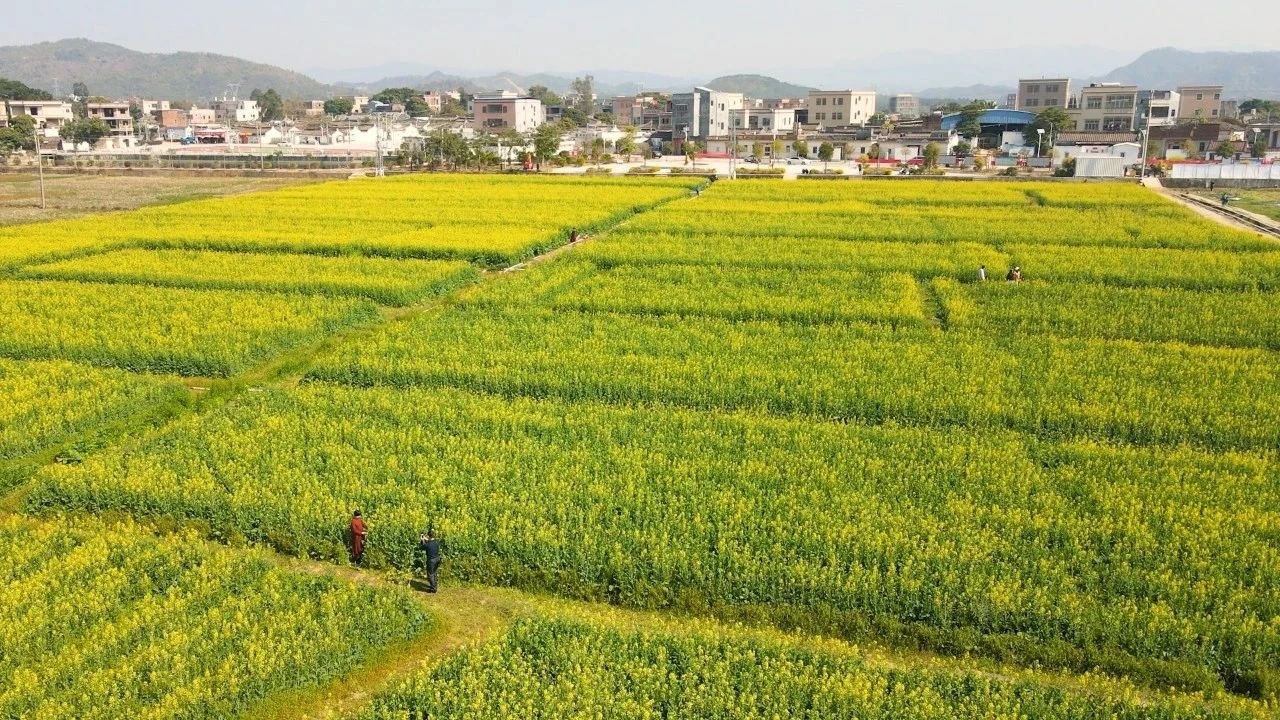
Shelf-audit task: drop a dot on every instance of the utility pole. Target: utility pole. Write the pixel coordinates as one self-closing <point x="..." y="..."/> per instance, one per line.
<point x="35" y="135"/>
<point x="733" y="150"/>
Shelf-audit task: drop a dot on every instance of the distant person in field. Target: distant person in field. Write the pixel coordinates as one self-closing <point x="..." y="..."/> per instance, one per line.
<point x="573" y="236"/>
<point x="1015" y="274"/>
<point x="430" y="547"/>
<point x="358" y="533"/>
<point x="982" y="273"/>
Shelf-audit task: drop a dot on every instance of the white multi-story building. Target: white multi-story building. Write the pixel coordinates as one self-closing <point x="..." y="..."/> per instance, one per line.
<point x="238" y="111"/>
<point x="759" y="119"/>
<point x="50" y="115"/>
<point x="704" y="112"/>
<point x="1156" y="108"/>
<point x="835" y="108"/>
<point x="506" y="110"/>
<point x="115" y="115"/>
<point x="1106" y="107"/>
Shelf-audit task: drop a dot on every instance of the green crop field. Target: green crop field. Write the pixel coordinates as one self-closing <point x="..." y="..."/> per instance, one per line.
<point x="767" y="450"/>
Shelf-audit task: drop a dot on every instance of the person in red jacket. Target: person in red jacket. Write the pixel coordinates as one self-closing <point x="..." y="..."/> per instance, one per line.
<point x="358" y="532"/>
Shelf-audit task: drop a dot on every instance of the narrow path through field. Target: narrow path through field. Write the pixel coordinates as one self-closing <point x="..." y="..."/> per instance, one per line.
<point x="469" y="615"/>
<point x="464" y="616"/>
<point x="1173" y="195"/>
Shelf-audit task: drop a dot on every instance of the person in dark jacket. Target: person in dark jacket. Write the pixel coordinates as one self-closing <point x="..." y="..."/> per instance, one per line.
<point x="358" y="533"/>
<point x="430" y="546"/>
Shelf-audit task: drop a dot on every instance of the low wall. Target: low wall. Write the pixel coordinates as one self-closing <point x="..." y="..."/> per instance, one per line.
<point x="1195" y="183"/>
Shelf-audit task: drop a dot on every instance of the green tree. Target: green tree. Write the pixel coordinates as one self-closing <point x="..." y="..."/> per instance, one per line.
<point x="931" y="153"/>
<point x="1266" y="108"/>
<point x="575" y="117"/>
<point x="18" y="135"/>
<point x="80" y="90"/>
<point x="826" y="151"/>
<point x="627" y="143"/>
<point x="777" y="147"/>
<point x="14" y="90"/>
<point x="1259" y="147"/>
<point x="963" y="147"/>
<point x="338" y="106"/>
<point x="546" y="142"/>
<point x="596" y="151"/>
<point x="84" y="130"/>
<point x="970" y="125"/>
<point x="270" y="104"/>
<point x="1225" y="149"/>
<point x="1052" y="120"/>
<point x="396" y="96"/>
<point x="873" y="152"/>
<point x="757" y="149"/>
<point x="583" y="88"/>
<point x="800" y="147"/>
<point x="543" y="93"/>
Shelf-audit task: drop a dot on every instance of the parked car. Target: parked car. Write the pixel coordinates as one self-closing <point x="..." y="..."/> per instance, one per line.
<point x="797" y="161"/>
<point x="751" y="159"/>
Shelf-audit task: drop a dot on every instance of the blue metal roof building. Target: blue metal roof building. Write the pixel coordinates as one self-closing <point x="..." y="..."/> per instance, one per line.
<point x="997" y="120"/>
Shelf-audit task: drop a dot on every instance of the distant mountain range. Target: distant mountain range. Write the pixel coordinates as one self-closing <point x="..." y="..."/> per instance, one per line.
<point x="119" y="72"/>
<point x="758" y="86"/>
<point x="1243" y="74"/>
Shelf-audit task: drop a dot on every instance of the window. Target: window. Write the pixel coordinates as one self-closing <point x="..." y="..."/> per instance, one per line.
<point x="1033" y="103"/>
<point x="1050" y="102"/>
<point x="1033" y="88"/>
<point x="1213" y="113"/>
<point x="822" y="101"/>
<point x="1217" y="96"/>
<point x="1090" y="124"/>
<point x="837" y="116"/>
<point x="1204" y="146"/>
<point x="820" y="116"/>
<point x="1093" y="103"/>
<point x="1199" y="96"/>
<point x="1051" y="88"/>
<point x="840" y="101"/>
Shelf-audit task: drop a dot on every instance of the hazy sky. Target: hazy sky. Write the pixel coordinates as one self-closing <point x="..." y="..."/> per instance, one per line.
<point x="680" y="38"/>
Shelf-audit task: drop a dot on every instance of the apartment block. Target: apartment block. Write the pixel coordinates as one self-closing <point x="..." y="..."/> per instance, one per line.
<point x="1035" y="95"/>
<point x="1200" y="101"/>
<point x="1105" y="107"/>
<point x="434" y="100"/>
<point x="50" y="115"/>
<point x="115" y="115"/>
<point x="506" y="110"/>
<point x="1156" y="108"/>
<point x="834" y="108"/>
<point x="703" y="112"/>
<point x="763" y="120"/>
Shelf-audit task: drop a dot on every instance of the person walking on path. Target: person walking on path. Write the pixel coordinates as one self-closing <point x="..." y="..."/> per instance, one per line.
<point x="431" y="547"/>
<point x="358" y="533"/>
<point x="982" y="273"/>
